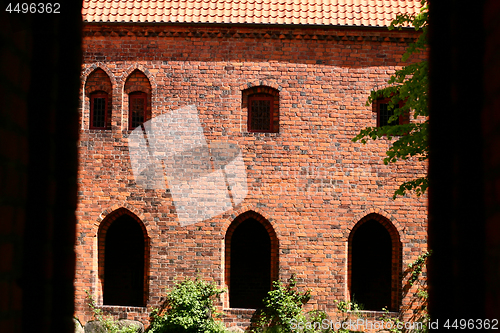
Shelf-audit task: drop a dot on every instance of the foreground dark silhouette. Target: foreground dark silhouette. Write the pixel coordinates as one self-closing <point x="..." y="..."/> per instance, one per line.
<point x="41" y="57"/>
<point x="40" y="61"/>
<point x="464" y="161"/>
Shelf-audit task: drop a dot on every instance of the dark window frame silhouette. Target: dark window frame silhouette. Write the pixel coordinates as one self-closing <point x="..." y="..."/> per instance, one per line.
<point x="259" y="119"/>
<point x="260" y="105"/>
<point x="114" y="291"/>
<point x="369" y="257"/>
<point x="231" y="257"/>
<point x="381" y="107"/>
<point x="97" y="98"/>
<point x="135" y="99"/>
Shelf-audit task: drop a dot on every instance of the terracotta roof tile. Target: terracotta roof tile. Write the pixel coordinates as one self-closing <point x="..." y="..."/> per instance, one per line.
<point x="368" y="13"/>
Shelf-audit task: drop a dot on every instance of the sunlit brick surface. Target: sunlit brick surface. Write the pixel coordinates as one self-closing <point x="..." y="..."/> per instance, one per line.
<point x="308" y="181"/>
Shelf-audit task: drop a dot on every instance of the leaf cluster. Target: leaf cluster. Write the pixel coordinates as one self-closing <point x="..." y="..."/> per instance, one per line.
<point x="417" y="266"/>
<point x="282" y="305"/>
<point x="418" y="302"/>
<point x="348" y="306"/>
<point x="107" y="323"/>
<point x="189" y="308"/>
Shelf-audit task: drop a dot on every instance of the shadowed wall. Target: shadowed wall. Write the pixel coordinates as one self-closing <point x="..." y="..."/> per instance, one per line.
<point x="40" y="57"/>
<point x="464" y="162"/>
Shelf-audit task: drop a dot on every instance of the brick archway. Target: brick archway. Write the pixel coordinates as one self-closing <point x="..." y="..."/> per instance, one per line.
<point x="122" y="213"/>
<point x="380" y="226"/>
<point x="241" y="220"/>
<point x="144" y="70"/>
<point x="90" y="69"/>
<point x="137" y="84"/>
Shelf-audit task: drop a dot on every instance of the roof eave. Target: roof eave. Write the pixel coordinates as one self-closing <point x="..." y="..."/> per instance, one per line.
<point x="252" y="25"/>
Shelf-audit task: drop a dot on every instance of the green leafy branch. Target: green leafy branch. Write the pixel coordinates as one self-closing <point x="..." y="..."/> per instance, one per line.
<point x="408" y="85"/>
<point x="108" y="323"/>
<point x="189" y="308"/>
<point x="417" y="266"/>
<point x="282" y="305"/>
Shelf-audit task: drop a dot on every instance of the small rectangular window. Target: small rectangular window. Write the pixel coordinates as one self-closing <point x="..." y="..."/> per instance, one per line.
<point x="384" y="113"/>
<point x="98" y="110"/>
<point x="260" y="113"/>
<point x="137" y="104"/>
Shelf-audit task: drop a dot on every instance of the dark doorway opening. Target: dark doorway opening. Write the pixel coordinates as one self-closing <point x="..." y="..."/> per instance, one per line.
<point x="124" y="263"/>
<point x="250" y="265"/>
<point x="371" y="277"/>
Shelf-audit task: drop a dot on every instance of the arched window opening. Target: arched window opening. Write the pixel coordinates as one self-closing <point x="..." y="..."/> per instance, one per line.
<point x="124" y="263"/>
<point x="138" y="92"/>
<point x="98" y="95"/>
<point x="371" y="265"/>
<point x="250" y="265"/>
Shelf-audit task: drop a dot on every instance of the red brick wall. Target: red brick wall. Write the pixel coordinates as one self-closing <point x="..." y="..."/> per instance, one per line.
<point x="309" y="181"/>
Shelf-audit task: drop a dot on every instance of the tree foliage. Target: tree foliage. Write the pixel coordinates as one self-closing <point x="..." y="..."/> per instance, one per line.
<point x="410" y="86"/>
<point x="282" y="308"/>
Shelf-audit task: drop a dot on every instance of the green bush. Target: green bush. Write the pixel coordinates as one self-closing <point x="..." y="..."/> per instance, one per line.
<point x="347" y="311"/>
<point x="188" y="308"/>
<point x="108" y="324"/>
<point x="283" y="311"/>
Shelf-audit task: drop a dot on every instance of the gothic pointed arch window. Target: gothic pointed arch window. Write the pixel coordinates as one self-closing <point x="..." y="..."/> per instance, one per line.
<point x="138" y="92"/>
<point x="251" y="260"/>
<point x="98" y="94"/>
<point x="123" y="253"/>
<point x="374" y="264"/>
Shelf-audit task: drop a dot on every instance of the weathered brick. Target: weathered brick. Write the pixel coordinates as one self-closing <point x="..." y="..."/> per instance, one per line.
<point x="306" y="180"/>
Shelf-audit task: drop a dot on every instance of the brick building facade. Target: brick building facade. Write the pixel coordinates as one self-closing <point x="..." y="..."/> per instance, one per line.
<point x="288" y="98"/>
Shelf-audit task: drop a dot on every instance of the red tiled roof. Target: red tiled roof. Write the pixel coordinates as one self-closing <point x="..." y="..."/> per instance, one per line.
<point x="362" y="13"/>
